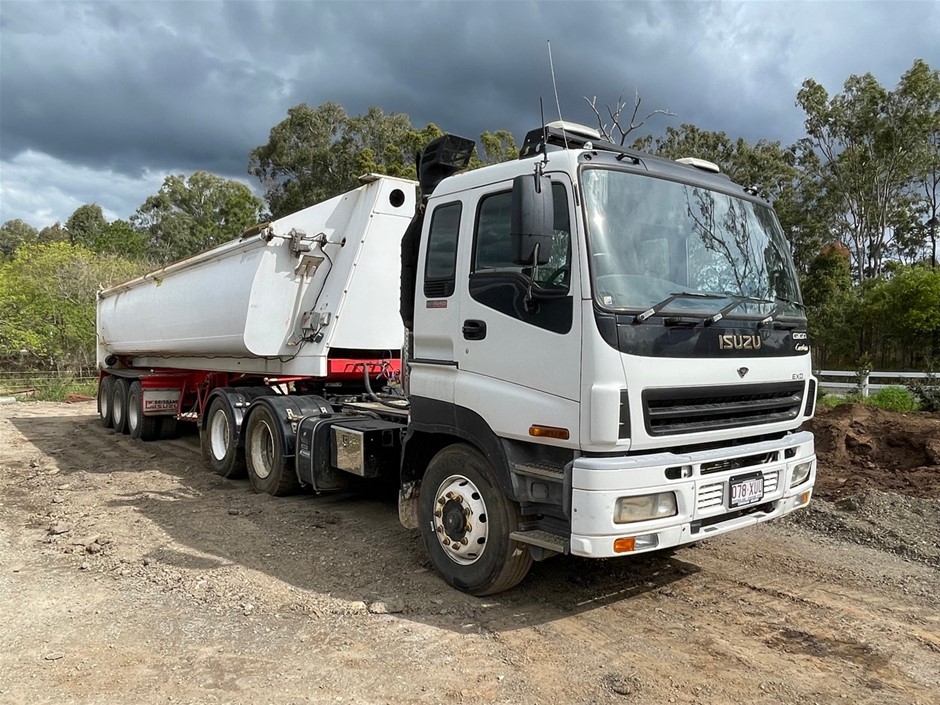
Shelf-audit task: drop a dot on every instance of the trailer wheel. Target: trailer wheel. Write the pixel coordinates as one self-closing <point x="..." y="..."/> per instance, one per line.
<point x="466" y="521"/>
<point x="146" y="428"/>
<point x="104" y="400"/>
<point x="219" y="441"/>
<point x="119" y="404"/>
<point x="268" y="470"/>
<point x="169" y="427"/>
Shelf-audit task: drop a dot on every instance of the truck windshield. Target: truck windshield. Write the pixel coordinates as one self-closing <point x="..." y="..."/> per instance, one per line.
<point x="650" y="239"/>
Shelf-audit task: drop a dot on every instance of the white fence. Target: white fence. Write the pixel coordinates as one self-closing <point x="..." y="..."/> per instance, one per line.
<point x="842" y="382"/>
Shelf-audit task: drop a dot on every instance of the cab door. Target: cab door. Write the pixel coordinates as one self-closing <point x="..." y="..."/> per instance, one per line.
<point x="518" y="354"/>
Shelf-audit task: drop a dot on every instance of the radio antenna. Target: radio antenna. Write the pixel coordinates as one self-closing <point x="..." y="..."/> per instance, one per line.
<point x="544" y="133"/>
<point x="551" y="65"/>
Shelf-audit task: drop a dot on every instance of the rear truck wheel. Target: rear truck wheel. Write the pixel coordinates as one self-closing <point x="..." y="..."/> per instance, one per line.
<point x="146" y="428"/>
<point x="268" y="470"/>
<point x="219" y="441"/>
<point x="466" y="521"/>
<point x="105" y="385"/>
<point x="119" y="404"/>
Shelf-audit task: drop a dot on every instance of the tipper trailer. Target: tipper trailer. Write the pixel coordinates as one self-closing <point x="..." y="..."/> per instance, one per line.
<point x="588" y="351"/>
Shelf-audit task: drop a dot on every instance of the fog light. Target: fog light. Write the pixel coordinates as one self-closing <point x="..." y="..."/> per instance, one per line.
<point x="644" y="507"/>
<point x="800" y="473"/>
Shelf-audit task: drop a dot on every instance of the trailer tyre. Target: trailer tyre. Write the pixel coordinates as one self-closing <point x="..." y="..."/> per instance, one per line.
<point x="146" y="428"/>
<point x="119" y="404"/>
<point x="268" y="470"/>
<point x="105" y="385"/>
<point x="219" y="441"/>
<point x="466" y="522"/>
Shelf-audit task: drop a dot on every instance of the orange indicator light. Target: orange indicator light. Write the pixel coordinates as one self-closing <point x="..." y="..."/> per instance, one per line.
<point x="624" y="545"/>
<point x="549" y="432"/>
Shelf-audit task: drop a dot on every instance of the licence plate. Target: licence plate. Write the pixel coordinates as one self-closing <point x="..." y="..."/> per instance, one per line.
<point x="745" y="489"/>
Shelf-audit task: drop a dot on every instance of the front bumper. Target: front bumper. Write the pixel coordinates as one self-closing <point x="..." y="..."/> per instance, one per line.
<point x="701" y="486"/>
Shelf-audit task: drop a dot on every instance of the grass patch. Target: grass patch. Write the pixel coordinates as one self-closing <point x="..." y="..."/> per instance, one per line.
<point x="49" y="388"/>
<point x="893" y="398"/>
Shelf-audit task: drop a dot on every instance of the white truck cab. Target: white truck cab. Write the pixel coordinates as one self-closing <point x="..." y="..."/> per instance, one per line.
<point x="617" y="342"/>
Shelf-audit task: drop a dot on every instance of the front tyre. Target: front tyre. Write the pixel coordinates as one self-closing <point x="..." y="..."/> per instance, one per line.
<point x="466" y="520"/>
<point x="268" y="470"/>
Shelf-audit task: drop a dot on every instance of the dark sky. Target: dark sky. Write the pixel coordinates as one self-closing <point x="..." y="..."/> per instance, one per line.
<point x="99" y="100"/>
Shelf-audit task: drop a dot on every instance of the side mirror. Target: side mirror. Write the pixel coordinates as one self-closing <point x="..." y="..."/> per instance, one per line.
<point x="533" y="219"/>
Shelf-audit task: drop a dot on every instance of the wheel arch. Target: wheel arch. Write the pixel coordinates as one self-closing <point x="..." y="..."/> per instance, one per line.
<point x="435" y="425"/>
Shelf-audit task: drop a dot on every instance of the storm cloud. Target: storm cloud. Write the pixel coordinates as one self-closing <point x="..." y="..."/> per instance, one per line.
<point x="98" y="101"/>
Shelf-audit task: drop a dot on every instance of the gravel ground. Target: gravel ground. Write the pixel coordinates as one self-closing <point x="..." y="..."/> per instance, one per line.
<point x="130" y="574"/>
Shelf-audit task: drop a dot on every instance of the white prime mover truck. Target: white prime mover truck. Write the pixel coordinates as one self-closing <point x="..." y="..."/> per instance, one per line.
<point x="587" y="351"/>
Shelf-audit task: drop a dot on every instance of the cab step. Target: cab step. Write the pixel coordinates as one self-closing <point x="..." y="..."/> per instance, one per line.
<point x="542" y="539"/>
<point x="542" y="470"/>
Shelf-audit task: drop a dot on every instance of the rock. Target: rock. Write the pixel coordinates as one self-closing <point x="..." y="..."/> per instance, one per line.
<point x="390" y="606"/>
<point x="58" y="529"/>
<point x="85" y="565"/>
<point x="357" y="606"/>
<point x="87" y="541"/>
<point x="54" y="656"/>
<point x="234" y="512"/>
<point x="7" y="400"/>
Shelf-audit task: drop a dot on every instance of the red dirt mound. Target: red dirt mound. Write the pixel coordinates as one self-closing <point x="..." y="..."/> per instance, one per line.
<point x="864" y="448"/>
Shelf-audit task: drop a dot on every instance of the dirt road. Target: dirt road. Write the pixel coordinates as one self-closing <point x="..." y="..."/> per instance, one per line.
<point x="130" y="574"/>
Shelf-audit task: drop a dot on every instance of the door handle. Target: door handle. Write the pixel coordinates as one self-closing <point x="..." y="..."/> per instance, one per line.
<point x="474" y="330"/>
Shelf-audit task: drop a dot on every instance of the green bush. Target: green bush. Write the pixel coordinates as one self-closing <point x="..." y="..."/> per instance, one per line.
<point x="893" y="398"/>
<point x="927" y="392"/>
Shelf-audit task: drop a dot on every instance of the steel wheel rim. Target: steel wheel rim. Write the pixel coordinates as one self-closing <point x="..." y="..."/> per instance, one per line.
<point x="133" y="415"/>
<point x="262" y="449"/>
<point x="104" y="402"/>
<point x="458" y="499"/>
<point x="220" y="434"/>
<point x="117" y="412"/>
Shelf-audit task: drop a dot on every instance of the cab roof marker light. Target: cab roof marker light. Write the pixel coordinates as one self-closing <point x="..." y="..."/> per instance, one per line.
<point x="702" y="164"/>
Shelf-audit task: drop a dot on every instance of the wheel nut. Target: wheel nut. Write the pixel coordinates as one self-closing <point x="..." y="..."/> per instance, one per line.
<point x="464" y="540"/>
<point x="459" y="499"/>
<point x="446" y="541"/>
<point x="441" y="500"/>
<point x="438" y="513"/>
<point x="440" y="529"/>
<point x="466" y="511"/>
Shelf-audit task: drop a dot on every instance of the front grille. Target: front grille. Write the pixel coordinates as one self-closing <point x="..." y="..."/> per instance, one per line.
<point x="738" y="463"/>
<point x="693" y="409"/>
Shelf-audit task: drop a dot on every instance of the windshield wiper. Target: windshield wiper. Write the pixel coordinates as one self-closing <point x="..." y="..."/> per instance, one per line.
<point x="772" y="317"/>
<point x="656" y="308"/>
<point x="736" y="300"/>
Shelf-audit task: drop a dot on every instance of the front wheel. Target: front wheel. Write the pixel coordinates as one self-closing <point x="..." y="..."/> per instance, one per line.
<point x="466" y="521"/>
<point x="268" y="470"/>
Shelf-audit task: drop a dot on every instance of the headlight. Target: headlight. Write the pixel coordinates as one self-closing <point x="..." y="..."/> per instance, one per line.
<point x="644" y="507"/>
<point x="800" y="473"/>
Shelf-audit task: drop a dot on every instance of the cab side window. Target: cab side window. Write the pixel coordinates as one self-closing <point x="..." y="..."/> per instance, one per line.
<point x="499" y="283"/>
<point x="440" y="268"/>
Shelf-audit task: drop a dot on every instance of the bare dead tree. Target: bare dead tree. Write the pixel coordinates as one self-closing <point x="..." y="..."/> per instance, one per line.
<point x="615" y="131"/>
